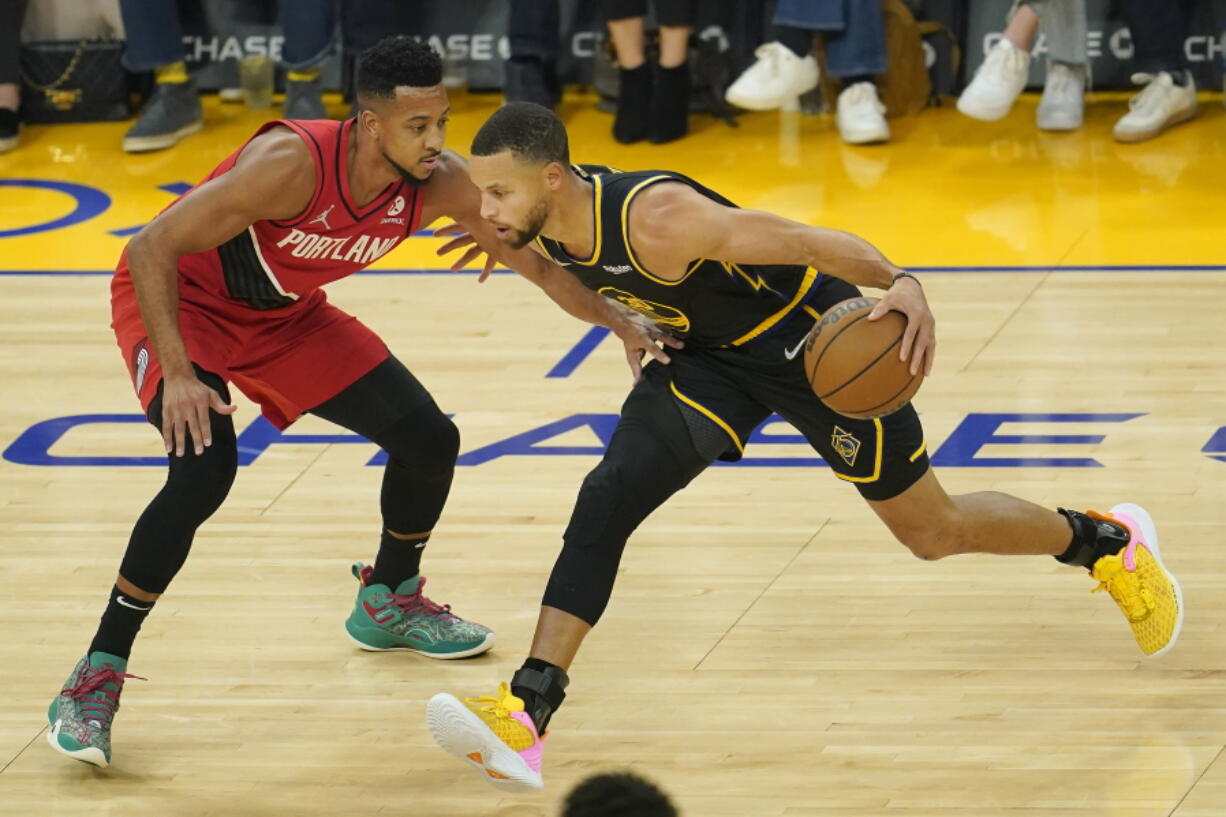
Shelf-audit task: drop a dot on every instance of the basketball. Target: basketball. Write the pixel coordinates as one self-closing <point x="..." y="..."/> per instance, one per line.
<point x="852" y="363"/>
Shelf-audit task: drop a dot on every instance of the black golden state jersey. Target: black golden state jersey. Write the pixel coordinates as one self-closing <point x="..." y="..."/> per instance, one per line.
<point x="715" y="303"/>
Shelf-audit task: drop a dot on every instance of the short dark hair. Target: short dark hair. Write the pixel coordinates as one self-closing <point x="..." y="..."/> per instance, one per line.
<point x="396" y="61"/>
<point x="617" y="794"/>
<point x="528" y="130"/>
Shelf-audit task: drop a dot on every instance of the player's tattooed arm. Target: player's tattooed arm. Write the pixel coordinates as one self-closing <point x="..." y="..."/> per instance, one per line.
<point x="273" y="178"/>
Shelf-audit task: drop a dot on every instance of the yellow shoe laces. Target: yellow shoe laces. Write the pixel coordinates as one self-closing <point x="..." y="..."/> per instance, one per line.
<point x="1126" y="588"/>
<point x="500" y="707"/>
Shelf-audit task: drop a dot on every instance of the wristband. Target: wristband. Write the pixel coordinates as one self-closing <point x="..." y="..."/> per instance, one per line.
<point x="906" y="275"/>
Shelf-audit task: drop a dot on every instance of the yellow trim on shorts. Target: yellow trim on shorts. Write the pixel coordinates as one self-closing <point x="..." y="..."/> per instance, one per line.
<point x="802" y="292"/>
<point x="923" y="447"/>
<point x="876" y="460"/>
<point x="813" y="313"/>
<point x="710" y="415"/>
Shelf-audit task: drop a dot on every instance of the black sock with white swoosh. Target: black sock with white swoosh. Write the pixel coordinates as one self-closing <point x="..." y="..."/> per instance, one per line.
<point x="398" y="559"/>
<point x="121" y="621"/>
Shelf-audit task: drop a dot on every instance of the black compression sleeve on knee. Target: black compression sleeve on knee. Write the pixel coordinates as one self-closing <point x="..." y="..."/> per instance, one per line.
<point x="196" y="485"/>
<point x="649" y="459"/>
<point x="422" y="448"/>
<point x="391" y="408"/>
<point x="376" y="400"/>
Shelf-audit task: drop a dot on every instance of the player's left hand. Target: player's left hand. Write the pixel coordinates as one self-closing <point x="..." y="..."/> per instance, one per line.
<point x="463" y="238"/>
<point x="919" y="341"/>
<point x="643" y="337"/>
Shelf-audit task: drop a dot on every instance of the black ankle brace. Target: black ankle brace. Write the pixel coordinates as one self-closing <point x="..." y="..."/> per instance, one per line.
<point x="542" y="690"/>
<point x="1092" y="539"/>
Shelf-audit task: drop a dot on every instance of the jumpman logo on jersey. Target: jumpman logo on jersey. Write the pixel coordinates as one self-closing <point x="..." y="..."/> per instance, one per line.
<point x="322" y="218"/>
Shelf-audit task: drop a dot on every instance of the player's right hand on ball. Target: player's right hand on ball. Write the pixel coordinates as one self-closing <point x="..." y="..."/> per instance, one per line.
<point x="185" y="410"/>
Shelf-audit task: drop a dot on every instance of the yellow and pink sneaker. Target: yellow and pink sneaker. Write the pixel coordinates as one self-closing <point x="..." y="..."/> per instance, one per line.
<point x="494" y="735"/>
<point x="1147" y="593"/>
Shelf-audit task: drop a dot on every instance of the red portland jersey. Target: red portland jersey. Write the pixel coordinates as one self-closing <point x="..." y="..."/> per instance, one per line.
<point x="273" y="265"/>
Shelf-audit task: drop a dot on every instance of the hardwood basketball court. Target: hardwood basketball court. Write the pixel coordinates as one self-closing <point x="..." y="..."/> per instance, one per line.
<point x="769" y="650"/>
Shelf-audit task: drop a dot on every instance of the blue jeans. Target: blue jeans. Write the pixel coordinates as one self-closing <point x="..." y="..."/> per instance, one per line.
<point x="155" y="33"/>
<point x="1158" y="33"/>
<point x="533" y="29"/>
<point x="855" y="32"/>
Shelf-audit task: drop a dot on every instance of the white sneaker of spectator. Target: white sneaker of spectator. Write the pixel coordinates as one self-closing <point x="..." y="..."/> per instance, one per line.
<point x="861" y="116"/>
<point x="1063" y="103"/>
<point x="1160" y="105"/>
<point x="997" y="83"/>
<point x="777" y="76"/>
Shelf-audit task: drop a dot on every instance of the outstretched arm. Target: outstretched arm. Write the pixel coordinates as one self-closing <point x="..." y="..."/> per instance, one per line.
<point x="457" y="198"/>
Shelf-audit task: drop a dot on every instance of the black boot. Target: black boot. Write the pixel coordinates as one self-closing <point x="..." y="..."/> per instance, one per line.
<point x="670" y="107"/>
<point x="633" y="105"/>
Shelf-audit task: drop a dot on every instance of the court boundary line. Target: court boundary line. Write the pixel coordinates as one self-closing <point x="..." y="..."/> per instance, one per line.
<point x="23" y="273"/>
<point x="1196" y="782"/>
<point x="22" y="751"/>
<point x="749" y="608"/>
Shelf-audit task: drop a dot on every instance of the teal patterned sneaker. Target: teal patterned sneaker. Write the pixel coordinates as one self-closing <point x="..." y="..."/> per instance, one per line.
<point x="81" y="715"/>
<point x="406" y="620"/>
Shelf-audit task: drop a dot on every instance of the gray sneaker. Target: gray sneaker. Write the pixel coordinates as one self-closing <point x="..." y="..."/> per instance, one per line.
<point x="302" y="100"/>
<point x="172" y="112"/>
<point x="81" y="715"/>
<point x="1063" y="103"/>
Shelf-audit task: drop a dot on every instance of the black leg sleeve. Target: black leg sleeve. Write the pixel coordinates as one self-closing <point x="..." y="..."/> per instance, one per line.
<point x="390" y="407"/>
<point x="650" y="458"/>
<point x="195" y="488"/>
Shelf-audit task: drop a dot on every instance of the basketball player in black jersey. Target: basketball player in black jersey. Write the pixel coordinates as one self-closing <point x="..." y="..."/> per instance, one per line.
<point x="742" y="288"/>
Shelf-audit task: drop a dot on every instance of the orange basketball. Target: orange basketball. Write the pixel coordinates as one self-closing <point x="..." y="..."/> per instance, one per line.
<point x="852" y="363"/>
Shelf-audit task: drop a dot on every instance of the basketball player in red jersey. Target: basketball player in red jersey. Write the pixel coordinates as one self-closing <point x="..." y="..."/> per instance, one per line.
<point x="744" y="288"/>
<point x="224" y="287"/>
